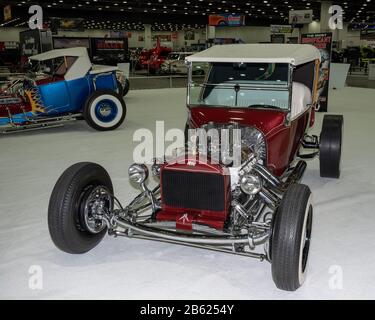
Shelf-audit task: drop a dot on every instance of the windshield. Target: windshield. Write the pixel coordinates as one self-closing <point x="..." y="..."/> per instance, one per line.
<point x="52" y="67"/>
<point x="242" y="85"/>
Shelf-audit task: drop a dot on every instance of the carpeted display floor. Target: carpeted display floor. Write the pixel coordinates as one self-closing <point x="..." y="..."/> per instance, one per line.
<point x="342" y="256"/>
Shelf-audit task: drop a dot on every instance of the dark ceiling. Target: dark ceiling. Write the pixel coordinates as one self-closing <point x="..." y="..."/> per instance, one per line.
<point x="176" y="14"/>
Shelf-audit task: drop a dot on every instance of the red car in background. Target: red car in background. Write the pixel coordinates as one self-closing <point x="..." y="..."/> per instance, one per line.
<point x="144" y="56"/>
<point x="158" y="55"/>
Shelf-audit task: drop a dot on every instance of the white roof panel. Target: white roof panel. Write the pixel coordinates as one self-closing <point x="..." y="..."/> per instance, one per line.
<point x="295" y="54"/>
<point x="68" y="52"/>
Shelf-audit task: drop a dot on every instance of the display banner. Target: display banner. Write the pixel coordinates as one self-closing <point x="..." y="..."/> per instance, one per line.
<point x="225" y="19"/>
<point x="323" y="42"/>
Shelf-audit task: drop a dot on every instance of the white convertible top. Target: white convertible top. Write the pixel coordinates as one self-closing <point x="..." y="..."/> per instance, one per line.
<point x="80" y="67"/>
<point x="295" y="54"/>
<point x="97" y="68"/>
<point x="67" y="52"/>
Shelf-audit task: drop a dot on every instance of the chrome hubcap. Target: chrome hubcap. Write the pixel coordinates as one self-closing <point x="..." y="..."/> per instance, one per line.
<point x="98" y="202"/>
<point x="105" y="110"/>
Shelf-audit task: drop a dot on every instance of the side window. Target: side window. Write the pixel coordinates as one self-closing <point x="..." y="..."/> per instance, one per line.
<point x="64" y="65"/>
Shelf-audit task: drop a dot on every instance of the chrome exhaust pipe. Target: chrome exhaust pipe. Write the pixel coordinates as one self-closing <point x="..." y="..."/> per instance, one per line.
<point x="267" y="175"/>
<point x="296" y="174"/>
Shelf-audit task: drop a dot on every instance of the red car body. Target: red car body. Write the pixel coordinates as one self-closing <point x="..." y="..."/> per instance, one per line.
<point x="185" y="215"/>
<point x="282" y="139"/>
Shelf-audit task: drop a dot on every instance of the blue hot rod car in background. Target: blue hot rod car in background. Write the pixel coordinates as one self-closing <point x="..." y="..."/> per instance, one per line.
<point x="63" y="85"/>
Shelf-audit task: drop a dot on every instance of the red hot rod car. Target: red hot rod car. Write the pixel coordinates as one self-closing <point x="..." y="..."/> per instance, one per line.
<point x="256" y="207"/>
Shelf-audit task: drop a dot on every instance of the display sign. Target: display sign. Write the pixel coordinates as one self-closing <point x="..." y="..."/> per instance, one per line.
<point x="293" y="40"/>
<point x="30" y="42"/>
<point x="277" y="28"/>
<point x="109" y="51"/>
<point x="277" y="38"/>
<point x="70" y="42"/>
<point x="162" y="37"/>
<point x="189" y="35"/>
<point x="225" y="19"/>
<point x="7" y="13"/>
<point x="120" y="34"/>
<point x="368" y="34"/>
<point x="361" y="26"/>
<point x="300" y="16"/>
<point x="67" y="24"/>
<point x="109" y="44"/>
<point x="323" y="42"/>
<point x="8" y="45"/>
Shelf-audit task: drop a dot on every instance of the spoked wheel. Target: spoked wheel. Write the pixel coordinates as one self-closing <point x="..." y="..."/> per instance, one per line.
<point x="82" y="192"/>
<point x="290" y="243"/>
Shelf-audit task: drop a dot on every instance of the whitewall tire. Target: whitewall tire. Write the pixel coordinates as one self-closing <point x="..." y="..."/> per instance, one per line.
<point x="104" y="110"/>
<point x="291" y="237"/>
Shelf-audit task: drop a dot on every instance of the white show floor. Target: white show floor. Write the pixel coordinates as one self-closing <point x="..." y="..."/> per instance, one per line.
<point x="30" y="163"/>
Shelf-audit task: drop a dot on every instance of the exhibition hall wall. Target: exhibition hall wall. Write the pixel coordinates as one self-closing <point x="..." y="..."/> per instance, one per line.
<point x="248" y="34"/>
<point x="12" y="34"/>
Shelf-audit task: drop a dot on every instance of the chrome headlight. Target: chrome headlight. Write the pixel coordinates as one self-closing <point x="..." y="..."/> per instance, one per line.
<point x="155" y="169"/>
<point x="138" y="173"/>
<point x="250" y="184"/>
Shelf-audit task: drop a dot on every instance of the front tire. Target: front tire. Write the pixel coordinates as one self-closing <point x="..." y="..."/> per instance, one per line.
<point x="104" y="110"/>
<point x="330" y="146"/>
<point x="290" y="242"/>
<point x="71" y="223"/>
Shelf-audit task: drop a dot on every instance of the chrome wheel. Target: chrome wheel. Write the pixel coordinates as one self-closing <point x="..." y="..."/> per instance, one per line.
<point x="95" y="202"/>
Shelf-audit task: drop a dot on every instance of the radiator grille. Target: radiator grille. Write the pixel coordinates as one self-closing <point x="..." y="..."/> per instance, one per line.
<point x="194" y="190"/>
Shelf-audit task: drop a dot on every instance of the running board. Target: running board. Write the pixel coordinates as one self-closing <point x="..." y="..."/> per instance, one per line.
<point x="44" y="123"/>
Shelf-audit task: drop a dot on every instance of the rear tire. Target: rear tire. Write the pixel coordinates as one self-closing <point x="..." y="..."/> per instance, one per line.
<point x="330" y="146"/>
<point x="290" y="242"/>
<point x="104" y="110"/>
<point x="120" y="89"/>
<point x="66" y="221"/>
<point x="126" y="88"/>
